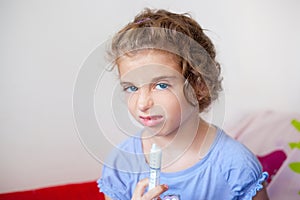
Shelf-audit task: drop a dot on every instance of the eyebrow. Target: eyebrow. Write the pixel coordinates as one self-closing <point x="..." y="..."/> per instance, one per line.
<point x="162" y="78"/>
<point x="152" y="81"/>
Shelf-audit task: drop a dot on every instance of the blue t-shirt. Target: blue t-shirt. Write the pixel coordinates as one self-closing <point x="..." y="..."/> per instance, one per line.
<point x="228" y="171"/>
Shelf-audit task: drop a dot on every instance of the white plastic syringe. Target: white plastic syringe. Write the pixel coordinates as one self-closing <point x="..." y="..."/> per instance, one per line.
<point x="155" y="165"/>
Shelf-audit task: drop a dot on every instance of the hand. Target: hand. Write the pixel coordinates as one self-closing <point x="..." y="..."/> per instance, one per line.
<point x="139" y="192"/>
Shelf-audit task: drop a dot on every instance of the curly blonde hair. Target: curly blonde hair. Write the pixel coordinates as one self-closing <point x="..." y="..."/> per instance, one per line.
<point x="182" y="36"/>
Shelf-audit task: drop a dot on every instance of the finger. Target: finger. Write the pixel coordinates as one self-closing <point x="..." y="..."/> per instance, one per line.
<point x="155" y="192"/>
<point x="140" y="188"/>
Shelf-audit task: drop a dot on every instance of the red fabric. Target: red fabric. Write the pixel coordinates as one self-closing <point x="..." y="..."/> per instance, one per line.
<point x="272" y="162"/>
<point x="80" y="191"/>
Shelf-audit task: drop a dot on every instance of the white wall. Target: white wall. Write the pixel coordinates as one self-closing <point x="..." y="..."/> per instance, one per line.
<point x="43" y="44"/>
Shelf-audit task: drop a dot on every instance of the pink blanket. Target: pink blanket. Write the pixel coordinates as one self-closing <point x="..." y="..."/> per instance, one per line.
<point x="269" y="134"/>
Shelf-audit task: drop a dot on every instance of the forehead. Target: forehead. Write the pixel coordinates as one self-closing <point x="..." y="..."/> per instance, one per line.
<point x="147" y="65"/>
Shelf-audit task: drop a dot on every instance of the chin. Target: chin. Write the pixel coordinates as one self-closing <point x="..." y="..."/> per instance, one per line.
<point x="161" y="132"/>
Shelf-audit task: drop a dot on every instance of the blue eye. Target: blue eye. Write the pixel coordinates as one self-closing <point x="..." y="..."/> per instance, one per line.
<point x="131" y="89"/>
<point x="161" y="86"/>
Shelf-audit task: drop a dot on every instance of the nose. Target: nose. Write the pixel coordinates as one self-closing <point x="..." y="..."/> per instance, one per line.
<point x="145" y="101"/>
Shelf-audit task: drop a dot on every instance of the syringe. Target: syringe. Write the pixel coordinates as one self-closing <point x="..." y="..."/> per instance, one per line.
<point x="155" y="166"/>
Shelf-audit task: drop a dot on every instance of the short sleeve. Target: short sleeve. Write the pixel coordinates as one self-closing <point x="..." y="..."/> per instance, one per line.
<point x="111" y="184"/>
<point x="257" y="186"/>
<point x="123" y="168"/>
<point x="244" y="174"/>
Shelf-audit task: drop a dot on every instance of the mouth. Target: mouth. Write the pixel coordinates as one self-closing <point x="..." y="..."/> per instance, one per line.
<point x="151" y="120"/>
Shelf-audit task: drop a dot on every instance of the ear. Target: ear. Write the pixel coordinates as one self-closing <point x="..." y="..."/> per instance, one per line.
<point x="190" y="93"/>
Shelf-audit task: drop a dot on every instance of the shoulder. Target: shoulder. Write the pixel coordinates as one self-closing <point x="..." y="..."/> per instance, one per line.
<point x="240" y="168"/>
<point x="127" y="156"/>
<point x="233" y="152"/>
<point x="235" y="155"/>
<point x="130" y="144"/>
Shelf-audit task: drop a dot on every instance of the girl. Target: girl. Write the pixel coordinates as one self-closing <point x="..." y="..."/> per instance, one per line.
<point x="169" y="75"/>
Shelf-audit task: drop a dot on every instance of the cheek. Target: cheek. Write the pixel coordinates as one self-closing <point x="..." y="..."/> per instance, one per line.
<point x="131" y="103"/>
<point x="177" y="107"/>
<point x="171" y="105"/>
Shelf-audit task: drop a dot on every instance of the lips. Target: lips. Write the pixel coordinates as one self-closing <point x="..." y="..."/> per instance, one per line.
<point x="151" y="120"/>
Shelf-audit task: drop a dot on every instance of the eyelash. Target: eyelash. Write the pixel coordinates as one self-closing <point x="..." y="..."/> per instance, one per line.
<point x="158" y="86"/>
<point x="162" y="86"/>
<point x="130" y="89"/>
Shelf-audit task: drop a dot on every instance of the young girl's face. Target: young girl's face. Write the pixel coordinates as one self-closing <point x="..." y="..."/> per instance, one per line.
<point x="153" y="85"/>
